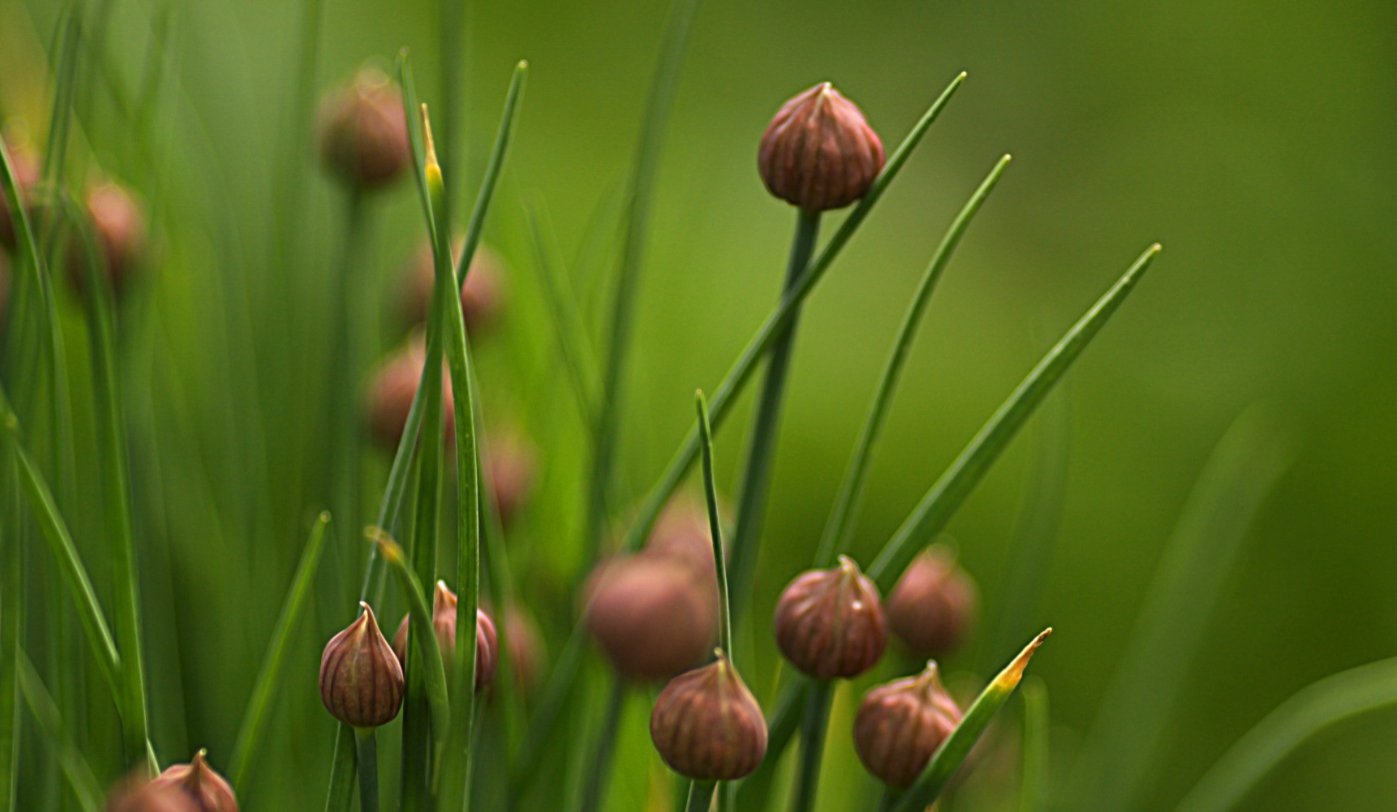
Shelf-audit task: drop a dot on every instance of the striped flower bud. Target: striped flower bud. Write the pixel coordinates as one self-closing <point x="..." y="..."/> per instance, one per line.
<point x="361" y="682"/>
<point x="900" y="725"/>
<point x="707" y="726"/>
<point x="444" y="623"/>
<point x="933" y="605"/>
<point x="819" y="153"/>
<point x="829" y="623"/>
<point x="390" y="393"/>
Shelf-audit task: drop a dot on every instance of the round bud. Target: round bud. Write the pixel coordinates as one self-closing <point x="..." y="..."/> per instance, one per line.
<point x="900" y="725"/>
<point x="444" y="623"/>
<point x="707" y="726"/>
<point x="363" y="132"/>
<point x="652" y="617"/>
<point x="390" y="394"/>
<point x="482" y="295"/>
<point x="197" y="780"/>
<point x="136" y="793"/>
<point x="681" y="533"/>
<point x="933" y="605"/>
<point x="818" y="152"/>
<point x="509" y="472"/>
<point x="361" y="682"/>
<point x="27" y="176"/>
<point x="118" y="226"/>
<point x="829" y="623"/>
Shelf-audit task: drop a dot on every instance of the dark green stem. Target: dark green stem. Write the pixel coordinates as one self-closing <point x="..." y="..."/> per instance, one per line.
<point x="751" y="507"/>
<point x="595" y="791"/>
<point x="366" y="744"/>
<point x="812" y="745"/>
<point x="342" y="772"/>
<point x="700" y="796"/>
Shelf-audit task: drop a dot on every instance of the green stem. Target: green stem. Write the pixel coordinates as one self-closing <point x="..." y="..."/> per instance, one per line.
<point x="342" y="770"/>
<point x="751" y="506"/>
<point x="700" y="796"/>
<point x="42" y="707"/>
<point x="11" y="602"/>
<point x="594" y="791"/>
<point x="343" y="471"/>
<point x="366" y="745"/>
<point x="715" y="529"/>
<point x="812" y="745"/>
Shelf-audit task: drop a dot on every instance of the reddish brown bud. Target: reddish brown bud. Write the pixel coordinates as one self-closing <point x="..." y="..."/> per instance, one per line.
<point x="829" y="623"/>
<point x="653" y="617"/>
<point x="508" y="464"/>
<point x="933" y="605"/>
<point x="444" y="623"/>
<point x="136" y="793"/>
<point x="681" y="533"/>
<point x="482" y="296"/>
<point x="818" y="152"/>
<point x="27" y="176"/>
<point x="363" y="132"/>
<point x="390" y="394"/>
<point x="526" y="651"/>
<point x="361" y="682"/>
<point x="120" y="233"/>
<point x="707" y="726"/>
<point x="900" y="725"/>
<point x="197" y="780"/>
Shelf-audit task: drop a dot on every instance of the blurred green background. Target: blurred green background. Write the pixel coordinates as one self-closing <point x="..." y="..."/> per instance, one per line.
<point x="1252" y="139"/>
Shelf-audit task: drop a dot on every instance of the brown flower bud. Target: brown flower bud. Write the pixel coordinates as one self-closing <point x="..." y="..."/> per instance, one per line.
<point x="363" y="132"/>
<point x="653" y="617"/>
<point x="444" y="622"/>
<point x="818" y="152"/>
<point x="933" y="604"/>
<point x="136" y="793"/>
<point x="707" y="726"/>
<point x="526" y="651"/>
<point x="27" y="176"/>
<point x="482" y="296"/>
<point x="509" y="472"/>
<point x="829" y="623"/>
<point x="361" y="682"/>
<point x="209" y="791"/>
<point x="681" y="533"/>
<point x="390" y="394"/>
<point x="900" y="725"/>
<point x="119" y="230"/>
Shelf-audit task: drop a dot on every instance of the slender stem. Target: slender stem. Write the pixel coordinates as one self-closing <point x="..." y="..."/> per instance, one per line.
<point x="343" y="471"/>
<point x="812" y="745"/>
<point x="366" y="744"/>
<point x="715" y="529"/>
<point x="1034" y="783"/>
<point x="751" y="508"/>
<point x="11" y="603"/>
<point x="700" y="796"/>
<point x="342" y="770"/>
<point x="595" y="789"/>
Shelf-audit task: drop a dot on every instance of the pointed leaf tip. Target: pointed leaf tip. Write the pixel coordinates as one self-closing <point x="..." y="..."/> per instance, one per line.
<point x="1013" y="673"/>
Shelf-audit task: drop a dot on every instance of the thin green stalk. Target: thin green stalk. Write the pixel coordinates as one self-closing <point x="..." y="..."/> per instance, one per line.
<point x="250" y="731"/>
<point x="1033" y="790"/>
<point x="642" y="186"/>
<point x="594" y="789"/>
<point x="756" y="478"/>
<point x="566" y="322"/>
<point x="343" y="470"/>
<point x="954" y="751"/>
<point x="366" y="747"/>
<point x="1312" y="710"/>
<point x="715" y="528"/>
<point x="342" y="772"/>
<point x="117" y="492"/>
<point x="475" y="226"/>
<point x="945" y="497"/>
<point x="812" y="745"/>
<point x="835" y="539"/>
<point x="700" y="796"/>
<point x="11" y="603"/>
<point x="81" y="780"/>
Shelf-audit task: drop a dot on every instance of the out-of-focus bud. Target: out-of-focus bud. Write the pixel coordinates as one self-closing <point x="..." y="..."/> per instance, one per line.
<point x="900" y="725"/>
<point x="933" y="605"/>
<point x="27" y="176"/>
<point x="509" y="472"/>
<point x="526" y="651"/>
<point x="119" y="228"/>
<point x="361" y="682"/>
<point x="818" y="152"/>
<point x="829" y="623"/>
<point x="363" y="132"/>
<point x="707" y="726"/>
<point x="681" y="533"/>
<point x="390" y="394"/>
<point x="209" y="790"/>
<point x="653" y="617"/>
<point x="136" y="793"/>
<point x="444" y="622"/>
<point x="482" y="296"/>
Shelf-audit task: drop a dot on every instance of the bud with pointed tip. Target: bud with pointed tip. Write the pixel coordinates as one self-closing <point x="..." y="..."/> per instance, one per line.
<point x="652" y="616"/>
<point x="361" y="682"/>
<point x="707" y="726"/>
<point x="444" y="623"/>
<point x="818" y="152"/>
<point x="900" y="726"/>
<point x="209" y="790"/>
<point x="933" y="605"/>
<point x="829" y="623"/>
<point x="482" y="295"/>
<point x="363" y="133"/>
<point x="118" y="226"/>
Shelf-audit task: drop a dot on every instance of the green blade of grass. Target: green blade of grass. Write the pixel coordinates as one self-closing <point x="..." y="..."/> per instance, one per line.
<point x="835" y="538"/>
<point x="737" y="377"/>
<point x="250" y="731"/>
<point x="945" y="497"/>
<point x="715" y="527"/>
<point x="81" y="780"/>
<point x="953" y="752"/>
<point x="1315" y="708"/>
<point x="1240" y="474"/>
<point x="342" y="772"/>
<point x="475" y="226"/>
<point x="422" y="640"/>
<point x="1033" y="789"/>
<point x="11" y="606"/>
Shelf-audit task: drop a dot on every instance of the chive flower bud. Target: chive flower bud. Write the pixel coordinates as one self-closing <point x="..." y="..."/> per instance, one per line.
<point x="818" y="152"/>
<point x="390" y="394"/>
<point x="707" y="726"/>
<point x="829" y="623"/>
<point x="933" y="605"/>
<point x="444" y="623"/>
<point x="900" y="726"/>
<point x="119" y="228"/>
<point x="508" y="465"/>
<point x="197" y="780"/>
<point x="653" y="617"/>
<point x="363" y="132"/>
<point x="482" y="295"/>
<point x="681" y="533"/>
<point x="361" y="682"/>
<point x="136" y="793"/>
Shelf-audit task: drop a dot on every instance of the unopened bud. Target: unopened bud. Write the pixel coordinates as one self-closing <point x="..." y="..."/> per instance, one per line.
<point x="707" y="726"/>
<point x="363" y="132"/>
<point x="197" y="780"/>
<point x="900" y="726"/>
<point x="390" y="394"/>
<point x="818" y="152"/>
<point x="652" y="617"/>
<point x="829" y="623"/>
<point x="118" y="227"/>
<point x="933" y="605"/>
<point x="482" y="295"/>
<point x="361" y="682"/>
<point x="444" y="624"/>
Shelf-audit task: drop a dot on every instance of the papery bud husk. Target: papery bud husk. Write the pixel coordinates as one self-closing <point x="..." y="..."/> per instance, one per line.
<point x="653" y="617"/>
<point x="818" y="152"/>
<point x="829" y="623"/>
<point x="482" y="295"/>
<point x="900" y="725"/>
<point x="933" y="605"/>
<point x="707" y="726"/>
<point x="209" y="790"/>
<point x="118" y="226"/>
<point x="361" y="681"/>
<point x="487" y="647"/>
<point x="363" y="132"/>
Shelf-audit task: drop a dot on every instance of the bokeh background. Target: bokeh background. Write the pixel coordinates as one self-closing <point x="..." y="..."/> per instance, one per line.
<point x="1252" y="139"/>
